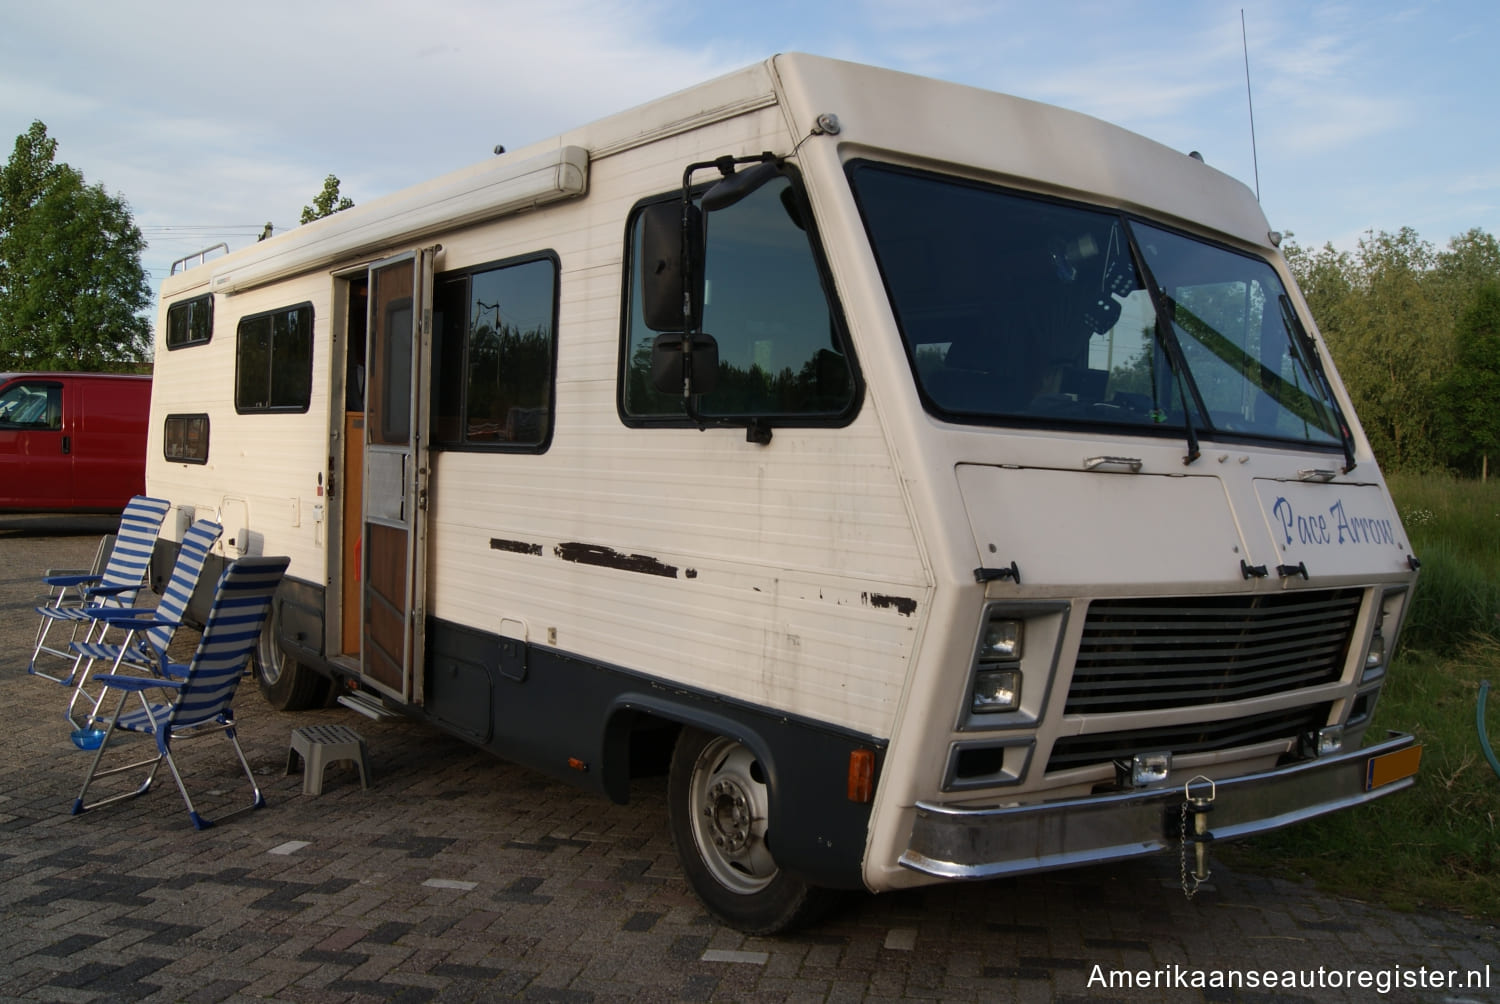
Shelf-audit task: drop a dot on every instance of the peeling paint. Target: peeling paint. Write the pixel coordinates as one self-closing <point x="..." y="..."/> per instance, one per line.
<point x="903" y="605"/>
<point x="606" y="557"/>
<point x="514" y="546"/>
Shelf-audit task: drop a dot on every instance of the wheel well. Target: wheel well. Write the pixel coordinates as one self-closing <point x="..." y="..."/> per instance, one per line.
<point x="636" y="744"/>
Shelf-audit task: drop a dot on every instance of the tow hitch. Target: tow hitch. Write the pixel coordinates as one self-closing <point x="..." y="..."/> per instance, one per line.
<point x="1196" y="831"/>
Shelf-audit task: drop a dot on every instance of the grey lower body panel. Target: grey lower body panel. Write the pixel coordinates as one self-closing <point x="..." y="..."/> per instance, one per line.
<point x="967" y="843"/>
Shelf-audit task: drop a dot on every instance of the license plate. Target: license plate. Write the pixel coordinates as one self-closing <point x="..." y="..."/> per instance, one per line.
<point x="1388" y="767"/>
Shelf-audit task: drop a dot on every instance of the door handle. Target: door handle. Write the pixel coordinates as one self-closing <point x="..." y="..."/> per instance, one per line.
<point x="67" y="444"/>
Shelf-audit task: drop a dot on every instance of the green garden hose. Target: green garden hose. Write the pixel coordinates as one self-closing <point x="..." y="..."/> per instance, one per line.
<point x="1484" y="739"/>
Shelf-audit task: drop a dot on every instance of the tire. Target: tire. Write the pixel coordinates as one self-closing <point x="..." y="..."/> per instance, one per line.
<point x="285" y="683"/>
<point x="719" y="808"/>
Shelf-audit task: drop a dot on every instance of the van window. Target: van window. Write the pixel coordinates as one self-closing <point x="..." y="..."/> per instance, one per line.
<point x="190" y="322"/>
<point x="494" y="353"/>
<point x="185" y="439"/>
<point x="273" y="363"/>
<point x="781" y="353"/>
<point x="32" y="406"/>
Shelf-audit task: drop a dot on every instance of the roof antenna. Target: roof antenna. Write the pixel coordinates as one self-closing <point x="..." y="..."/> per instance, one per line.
<point x="1254" y="158"/>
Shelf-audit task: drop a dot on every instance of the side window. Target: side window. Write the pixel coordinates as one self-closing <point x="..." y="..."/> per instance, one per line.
<point x="190" y="322"/>
<point x="185" y="439"/>
<point x="273" y="361"/>
<point x="32" y="406"/>
<point x="494" y="355"/>
<point x="781" y="353"/>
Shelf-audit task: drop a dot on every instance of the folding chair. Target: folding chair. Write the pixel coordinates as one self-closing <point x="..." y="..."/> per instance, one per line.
<point x="199" y="694"/>
<point x="148" y="632"/>
<point x="116" y="586"/>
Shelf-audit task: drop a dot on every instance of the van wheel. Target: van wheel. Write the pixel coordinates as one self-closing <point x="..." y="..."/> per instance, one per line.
<point x="719" y="810"/>
<point x="285" y="683"/>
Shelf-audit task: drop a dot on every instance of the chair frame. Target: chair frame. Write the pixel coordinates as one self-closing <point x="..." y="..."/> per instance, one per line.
<point x="115" y="587"/>
<point x="200" y="693"/>
<point x="148" y="631"/>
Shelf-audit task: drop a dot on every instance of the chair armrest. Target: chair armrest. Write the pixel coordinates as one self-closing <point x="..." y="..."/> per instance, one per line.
<point x="138" y="683"/>
<point x="70" y="579"/>
<point x="93" y="591"/>
<point x="136" y="618"/>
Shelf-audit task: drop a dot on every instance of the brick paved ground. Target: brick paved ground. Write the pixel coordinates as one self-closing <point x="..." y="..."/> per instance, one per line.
<point x="462" y="877"/>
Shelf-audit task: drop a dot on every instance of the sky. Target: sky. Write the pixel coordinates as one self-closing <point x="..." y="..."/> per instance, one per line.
<point x="210" y="119"/>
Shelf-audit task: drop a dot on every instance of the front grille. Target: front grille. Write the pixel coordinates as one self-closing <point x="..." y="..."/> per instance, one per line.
<point x="1180" y="740"/>
<point x="1155" y="653"/>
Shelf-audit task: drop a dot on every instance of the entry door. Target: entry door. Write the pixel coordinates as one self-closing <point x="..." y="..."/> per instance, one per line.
<point x="393" y="580"/>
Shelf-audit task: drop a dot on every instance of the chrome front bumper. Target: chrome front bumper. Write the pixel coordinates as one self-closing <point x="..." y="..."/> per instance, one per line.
<point x="966" y="843"/>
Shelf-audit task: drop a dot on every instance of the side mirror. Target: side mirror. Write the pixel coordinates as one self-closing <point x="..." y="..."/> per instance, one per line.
<point x="738" y="185"/>
<point x="671" y="266"/>
<point x="677" y="371"/>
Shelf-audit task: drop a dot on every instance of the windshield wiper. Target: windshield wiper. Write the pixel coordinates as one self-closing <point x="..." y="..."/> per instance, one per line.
<point x="1168" y="338"/>
<point x="1308" y="350"/>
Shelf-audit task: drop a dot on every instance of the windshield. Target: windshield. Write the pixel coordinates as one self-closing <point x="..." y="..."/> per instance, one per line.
<point x="1020" y="309"/>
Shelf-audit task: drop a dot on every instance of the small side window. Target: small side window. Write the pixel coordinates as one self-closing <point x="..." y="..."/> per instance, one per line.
<point x="190" y="322"/>
<point x="494" y="355"/>
<point x="273" y="363"/>
<point x="185" y="439"/>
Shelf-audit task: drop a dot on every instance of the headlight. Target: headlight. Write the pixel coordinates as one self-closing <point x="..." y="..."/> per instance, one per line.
<point x="1376" y="655"/>
<point x="1001" y="641"/>
<point x="996" y="690"/>
<point x="1012" y="638"/>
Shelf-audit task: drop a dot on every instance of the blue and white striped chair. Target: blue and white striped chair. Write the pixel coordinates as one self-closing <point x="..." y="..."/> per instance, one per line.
<point x="148" y="631"/>
<point x="116" y="586"/>
<point x="199" y="693"/>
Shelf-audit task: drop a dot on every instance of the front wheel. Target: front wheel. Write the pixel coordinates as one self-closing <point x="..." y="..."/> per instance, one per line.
<point x="719" y="810"/>
<point x="285" y="683"/>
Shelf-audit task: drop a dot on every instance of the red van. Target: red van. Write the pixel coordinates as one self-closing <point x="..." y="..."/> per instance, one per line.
<point x="72" y="442"/>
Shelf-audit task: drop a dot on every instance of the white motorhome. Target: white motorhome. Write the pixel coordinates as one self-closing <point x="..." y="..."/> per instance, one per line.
<point x="959" y="483"/>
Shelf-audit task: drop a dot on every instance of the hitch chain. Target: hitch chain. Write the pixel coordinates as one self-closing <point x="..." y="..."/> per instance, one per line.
<point x="1198" y="806"/>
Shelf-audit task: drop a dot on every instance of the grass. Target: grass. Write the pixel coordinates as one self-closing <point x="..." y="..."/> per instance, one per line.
<point x="1436" y="845"/>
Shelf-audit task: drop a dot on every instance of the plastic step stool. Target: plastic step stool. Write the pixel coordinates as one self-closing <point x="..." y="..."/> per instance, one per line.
<point x="320" y="745"/>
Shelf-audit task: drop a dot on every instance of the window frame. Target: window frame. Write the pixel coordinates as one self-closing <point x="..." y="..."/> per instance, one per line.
<point x="186" y="418"/>
<point x="270" y="409"/>
<point x="206" y="299"/>
<point x="463" y="444"/>
<point x="630" y="292"/>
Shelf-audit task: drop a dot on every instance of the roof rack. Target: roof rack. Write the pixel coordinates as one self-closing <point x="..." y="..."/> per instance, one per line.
<point x="202" y="256"/>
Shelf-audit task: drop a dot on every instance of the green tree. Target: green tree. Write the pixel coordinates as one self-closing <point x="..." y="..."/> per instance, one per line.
<point x="1468" y="418"/>
<point x="327" y="202"/>
<point x="1389" y="312"/>
<point x="72" y="287"/>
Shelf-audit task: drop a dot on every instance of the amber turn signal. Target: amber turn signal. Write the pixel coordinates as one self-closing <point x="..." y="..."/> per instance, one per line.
<point x="861" y="775"/>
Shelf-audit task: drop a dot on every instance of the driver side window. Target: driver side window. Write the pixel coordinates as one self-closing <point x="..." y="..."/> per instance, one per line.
<point x="780" y="343"/>
<point x="32" y="406"/>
